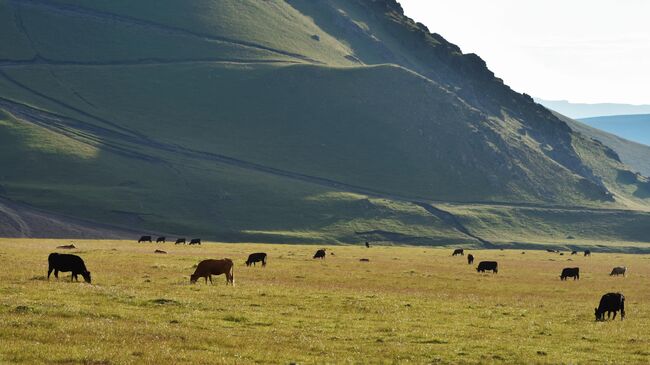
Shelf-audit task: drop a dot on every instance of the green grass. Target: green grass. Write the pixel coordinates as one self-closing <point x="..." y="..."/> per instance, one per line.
<point x="414" y="119"/>
<point x="407" y="304"/>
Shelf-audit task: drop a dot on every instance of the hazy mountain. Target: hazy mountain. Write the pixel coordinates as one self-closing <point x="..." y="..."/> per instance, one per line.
<point x="581" y="111"/>
<point x="632" y="127"/>
<point x="297" y="120"/>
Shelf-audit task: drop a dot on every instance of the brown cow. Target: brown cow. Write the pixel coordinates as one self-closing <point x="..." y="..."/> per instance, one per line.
<point x="207" y="268"/>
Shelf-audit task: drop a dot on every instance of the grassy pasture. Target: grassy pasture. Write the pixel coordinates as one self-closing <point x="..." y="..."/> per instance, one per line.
<point x="408" y="304"/>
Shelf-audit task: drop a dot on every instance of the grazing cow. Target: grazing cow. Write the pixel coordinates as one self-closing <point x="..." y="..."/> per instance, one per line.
<point x="470" y="259"/>
<point x="570" y="272"/>
<point x="484" y="266"/>
<point x="66" y="247"/>
<point x="207" y="268"/>
<point x="364" y="260"/>
<point x="587" y="253"/>
<point x="320" y="254"/>
<point x="574" y="253"/>
<point x="610" y="303"/>
<point x="195" y="241"/>
<point x="161" y="239"/>
<point x="367" y="244"/>
<point x="144" y="239"/>
<point x="180" y="240"/>
<point x="618" y="271"/>
<point x="64" y="263"/>
<point x="256" y="257"/>
<point x="458" y="251"/>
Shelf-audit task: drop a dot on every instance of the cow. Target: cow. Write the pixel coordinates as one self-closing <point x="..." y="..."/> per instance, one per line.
<point x="610" y="303"/>
<point x="549" y="250"/>
<point x="618" y="271"/>
<point x="458" y="251"/>
<point x="144" y="239"/>
<point x="570" y="272"/>
<point x="179" y="241"/>
<point x="64" y="263"/>
<point x="320" y="254"/>
<point x="470" y="259"/>
<point x="367" y="244"/>
<point x="587" y="253"/>
<point x="256" y="257"/>
<point x="195" y="241"/>
<point x="207" y="268"/>
<point x="160" y="251"/>
<point x="66" y="247"/>
<point x="484" y="266"/>
<point x="161" y="239"/>
<point x="574" y="253"/>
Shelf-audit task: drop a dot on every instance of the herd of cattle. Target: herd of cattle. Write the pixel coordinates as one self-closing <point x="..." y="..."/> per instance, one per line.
<point x="609" y="303"/>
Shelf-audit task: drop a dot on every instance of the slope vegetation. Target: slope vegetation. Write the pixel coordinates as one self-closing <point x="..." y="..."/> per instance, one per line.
<point x="275" y="120"/>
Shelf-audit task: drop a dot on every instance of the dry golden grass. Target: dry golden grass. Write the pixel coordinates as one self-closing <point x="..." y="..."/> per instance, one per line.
<point x="408" y="304"/>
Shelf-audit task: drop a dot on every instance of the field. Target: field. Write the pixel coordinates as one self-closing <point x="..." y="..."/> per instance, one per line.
<point x="407" y="304"/>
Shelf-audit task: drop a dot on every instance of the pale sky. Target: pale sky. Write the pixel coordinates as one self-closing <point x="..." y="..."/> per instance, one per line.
<point x="585" y="51"/>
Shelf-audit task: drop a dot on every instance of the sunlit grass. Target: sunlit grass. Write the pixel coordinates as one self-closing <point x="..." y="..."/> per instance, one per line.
<point x="407" y="304"/>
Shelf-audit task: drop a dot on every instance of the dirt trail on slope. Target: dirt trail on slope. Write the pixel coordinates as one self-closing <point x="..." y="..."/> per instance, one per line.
<point x="20" y="220"/>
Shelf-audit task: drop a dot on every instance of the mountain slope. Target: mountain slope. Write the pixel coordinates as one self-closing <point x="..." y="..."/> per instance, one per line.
<point x="632" y="127"/>
<point x="277" y="120"/>
<point x="635" y="155"/>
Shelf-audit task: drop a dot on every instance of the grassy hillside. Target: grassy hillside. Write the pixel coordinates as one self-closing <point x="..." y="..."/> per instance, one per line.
<point x="405" y="305"/>
<point x="633" y="154"/>
<point x="302" y="121"/>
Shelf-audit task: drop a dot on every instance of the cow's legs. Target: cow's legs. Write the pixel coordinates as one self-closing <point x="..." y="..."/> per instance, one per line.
<point x="613" y="318"/>
<point x="49" y="271"/>
<point x="210" y="276"/>
<point x="56" y="273"/>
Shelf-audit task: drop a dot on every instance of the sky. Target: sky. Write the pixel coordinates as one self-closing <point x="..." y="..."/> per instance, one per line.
<point x="583" y="51"/>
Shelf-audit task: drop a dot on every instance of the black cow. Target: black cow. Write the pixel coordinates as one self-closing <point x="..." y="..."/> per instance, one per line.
<point x="484" y="266"/>
<point x="195" y="241"/>
<point x="64" y="263"/>
<point x="144" y="239"/>
<point x="256" y="257"/>
<point x="458" y="251"/>
<point x="367" y="244"/>
<point x="161" y="239"/>
<point x="180" y="240"/>
<point x="570" y="272"/>
<point x="618" y="271"/>
<point x="320" y="254"/>
<point x="610" y="303"/>
<point x="470" y="259"/>
<point x="574" y="253"/>
<point x="587" y="253"/>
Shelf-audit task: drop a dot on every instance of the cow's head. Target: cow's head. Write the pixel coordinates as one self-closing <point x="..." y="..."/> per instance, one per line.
<point x="193" y="278"/>
<point x="599" y="316"/>
<point x="86" y="276"/>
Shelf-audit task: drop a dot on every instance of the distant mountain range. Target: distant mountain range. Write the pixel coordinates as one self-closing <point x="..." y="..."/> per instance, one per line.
<point x="633" y="127"/>
<point x="580" y="111"/>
